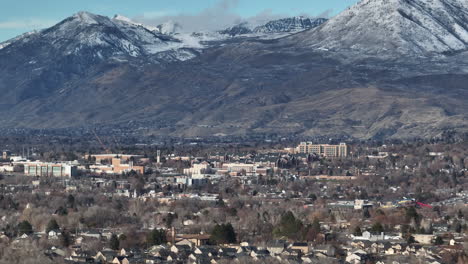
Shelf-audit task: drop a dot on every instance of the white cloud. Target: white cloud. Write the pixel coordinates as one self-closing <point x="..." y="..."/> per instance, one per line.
<point x="26" y="23"/>
<point x="219" y="16"/>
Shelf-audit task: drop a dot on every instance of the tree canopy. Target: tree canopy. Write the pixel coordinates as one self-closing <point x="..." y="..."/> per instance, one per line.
<point x="289" y="226"/>
<point x="156" y="237"/>
<point x="52" y="225"/>
<point x="114" y="242"/>
<point x="223" y="234"/>
<point x="25" y="228"/>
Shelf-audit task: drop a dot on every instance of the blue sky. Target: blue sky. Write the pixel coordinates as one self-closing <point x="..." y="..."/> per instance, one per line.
<point x="21" y="16"/>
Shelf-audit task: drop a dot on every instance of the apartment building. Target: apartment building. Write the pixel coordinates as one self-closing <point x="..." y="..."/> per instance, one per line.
<point x="326" y="150"/>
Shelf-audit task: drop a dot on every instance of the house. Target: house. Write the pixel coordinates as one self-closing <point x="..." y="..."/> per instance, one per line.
<point x="227" y="252"/>
<point x="104" y="256"/>
<point x="58" y="252"/>
<point x="193" y="258"/>
<point x="276" y="247"/>
<point x="379" y="247"/>
<point x="53" y="234"/>
<point x="357" y="257"/>
<point x="301" y="246"/>
<point x="424" y="239"/>
<point x="185" y="242"/>
<point x="207" y="250"/>
<point x="246" y="249"/>
<point x="152" y="260"/>
<point x="120" y="260"/>
<point x="177" y="249"/>
<point x="394" y="249"/>
<point x="291" y="253"/>
<point x="370" y="237"/>
<point x="260" y="253"/>
<point x="327" y="250"/>
<point x="91" y="234"/>
<point x="196" y="239"/>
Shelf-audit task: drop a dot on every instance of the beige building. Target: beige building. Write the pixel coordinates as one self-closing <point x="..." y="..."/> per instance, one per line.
<point x="100" y="158"/>
<point x="198" y="169"/>
<point x="116" y="163"/>
<point x="326" y="150"/>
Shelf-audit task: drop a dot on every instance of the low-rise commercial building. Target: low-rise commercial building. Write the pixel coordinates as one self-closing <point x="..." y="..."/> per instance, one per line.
<point x="50" y="169"/>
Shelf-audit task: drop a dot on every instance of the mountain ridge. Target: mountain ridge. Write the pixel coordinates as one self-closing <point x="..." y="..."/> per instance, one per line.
<point x="293" y="85"/>
<point x="395" y="26"/>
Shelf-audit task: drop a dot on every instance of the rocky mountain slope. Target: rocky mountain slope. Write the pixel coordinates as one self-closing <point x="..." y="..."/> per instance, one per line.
<point x="381" y="27"/>
<point x="285" y="25"/>
<point x="342" y="78"/>
<point x="292" y="24"/>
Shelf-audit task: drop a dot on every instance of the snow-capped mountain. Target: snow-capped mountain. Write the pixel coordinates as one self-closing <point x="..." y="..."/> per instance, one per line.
<point x="107" y="37"/>
<point x="99" y="38"/>
<point x="240" y="29"/>
<point x="130" y="21"/>
<point x="395" y="26"/>
<point x="90" y="69"/>
<point x="292" y="24"/>
<point x="285" y="25"/>
<point x="18" y="38"/>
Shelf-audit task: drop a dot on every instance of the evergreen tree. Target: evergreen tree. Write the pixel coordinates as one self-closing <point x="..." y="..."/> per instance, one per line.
<point x="365" y="213"/>
<point x="377" y="228"/>
<point x="170" y="219"/>
<point x="114" y="242"/>
<point x="223" y="234"/>
<point x="25" y="228"/>
<point x="411" y="213"/>
<point x="289" y="226"/>
<point x="61" y="211"/>
<point x="70" y="201"/>
<point x="438" y="241"/>
<point x="460" y="214"/>
<point x="156" y="237"/>
<point x="66" y="239"/>
<point x="457" y="227"/>
<point x="357" y="231"/>
<point x="52" y="225"/>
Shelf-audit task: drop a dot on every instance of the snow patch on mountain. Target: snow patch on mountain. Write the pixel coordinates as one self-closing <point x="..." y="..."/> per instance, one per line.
<point x="293" y="24"/>
<point x="386" y="26"/>
<point x="127" y="20"/>
<point x="273" y="29"/>
<point x="22" y="37"/>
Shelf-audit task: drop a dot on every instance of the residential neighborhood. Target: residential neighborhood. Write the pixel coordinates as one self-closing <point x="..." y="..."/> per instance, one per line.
<point x="379" y="203"/>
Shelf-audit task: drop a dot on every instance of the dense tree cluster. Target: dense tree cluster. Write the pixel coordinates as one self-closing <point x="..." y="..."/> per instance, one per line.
<point x="223" y="234"/>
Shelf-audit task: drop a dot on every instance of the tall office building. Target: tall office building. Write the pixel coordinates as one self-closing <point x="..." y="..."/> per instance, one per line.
<point x="326" y="150"/>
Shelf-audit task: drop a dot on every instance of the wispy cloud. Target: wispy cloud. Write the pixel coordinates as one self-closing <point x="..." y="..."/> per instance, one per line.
<point x="156" y="14"/>
<point x="208" y="19"/>
<point x="219" y="16"/>
<point x="26" y="23"/>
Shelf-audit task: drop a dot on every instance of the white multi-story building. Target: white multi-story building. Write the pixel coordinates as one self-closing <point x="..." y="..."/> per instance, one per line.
<point x="326" y="150"/>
